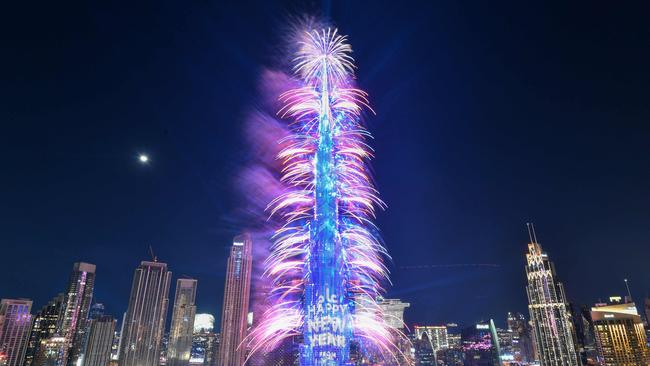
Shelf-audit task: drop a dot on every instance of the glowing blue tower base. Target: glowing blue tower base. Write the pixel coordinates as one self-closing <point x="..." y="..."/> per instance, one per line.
<point x="327" y="329"/>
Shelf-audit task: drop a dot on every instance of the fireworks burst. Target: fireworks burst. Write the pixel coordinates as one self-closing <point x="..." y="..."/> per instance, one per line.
<point x="326" y="266"/>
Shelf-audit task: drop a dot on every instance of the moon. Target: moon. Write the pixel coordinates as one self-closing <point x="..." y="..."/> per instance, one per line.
<point x="143" y="158"/>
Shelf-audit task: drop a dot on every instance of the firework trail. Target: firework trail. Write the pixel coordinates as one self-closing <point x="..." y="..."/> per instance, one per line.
<point x="326" y="265"/>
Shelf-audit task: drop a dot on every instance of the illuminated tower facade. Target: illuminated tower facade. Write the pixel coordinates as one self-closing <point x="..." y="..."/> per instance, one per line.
<point x="144" y="321"/>
<point x="180" y="334"/>
<point x="620" y="336"/>
<point x="74" y="320"/>
<point x="44" y="326"/>
<point x="100" y="341"/>
<point x="236" y="298"/>
<point x="326" y="252"/>
<point x="549" y="310"/>
<point x="15" y="324"/>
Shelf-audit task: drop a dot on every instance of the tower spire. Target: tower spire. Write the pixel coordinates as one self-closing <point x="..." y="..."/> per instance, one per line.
<point x="629" y="294"/>
<point x="531" y="232"/>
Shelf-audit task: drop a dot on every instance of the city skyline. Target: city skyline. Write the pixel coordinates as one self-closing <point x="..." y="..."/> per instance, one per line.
<point x="546" y="126"/>
<point x="612" y="333"/>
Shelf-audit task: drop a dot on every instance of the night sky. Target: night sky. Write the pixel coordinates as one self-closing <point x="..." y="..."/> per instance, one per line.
<point x="489" y="115"/>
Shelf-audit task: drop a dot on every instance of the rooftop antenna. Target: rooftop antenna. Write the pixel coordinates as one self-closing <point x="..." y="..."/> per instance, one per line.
<point x="629" y="294"/>
<point x="531" y="232"/>
<point x="153" y="256"/>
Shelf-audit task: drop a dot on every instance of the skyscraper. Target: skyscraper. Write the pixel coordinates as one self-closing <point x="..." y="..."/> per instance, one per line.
<point x="204" y="341"/>
<point x="74" y="321"/>
<point x="620" y="336"/>
<point x="96" y="311"/>
<point x="235" y="302"/>
<point x="549" y="311"/>
<point x="144" y="321"/>
<point x="50" y="351"/>
<point x="393" y="310"/>
<point x="100" y="341"/>
<point x="180" y="334"/>
<point x="44" y="326"/>
<point x="480" y="345"/>
<point x="436" y="335"/>
<point x="522" y="343"/>
<point x="15" y="325"/>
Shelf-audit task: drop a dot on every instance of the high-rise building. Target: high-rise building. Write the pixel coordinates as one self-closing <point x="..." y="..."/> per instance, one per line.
<point x="144" y="321"/>
<point x="393" y="310"/>
<point x="51" y="351"/>
<point x="235" y="302"/>
<point x="522" y="343"/>
<point x="549" y="309"/>
<point x="425" y="354"/>
<point x="180" y="334"/>
<point x="74" y="320"/>
<point x="436" y="335"/>
<point x="15" y="325"/>
<point x="204" y="341"/>
<point x="44" y="326"/>
<point x="100" y="341"/>
<point x="97" y="310"/>
<point x="480" y="345"/>
<point x="620" y="336"/>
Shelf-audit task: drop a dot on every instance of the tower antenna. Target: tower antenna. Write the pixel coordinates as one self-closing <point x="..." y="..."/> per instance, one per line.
<point x="627" y="286"/>
<point x="531" y="232"/>
<point x="153" y="256"/>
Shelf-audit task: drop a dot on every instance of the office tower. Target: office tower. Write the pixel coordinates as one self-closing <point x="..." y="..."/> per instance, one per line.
<point x="451" y="357"/>
<point x="453" y="335"/>
<point x="235" y="302"/>
<point x="522" y="343"/>
<point x="51" y="351"/>
<point x="180" y="334"/>
<point x="425" y="353"/>
<point x="480" y="345"/>
<point x="506" y="344"/>
<point x="393" y="310"/>
<point x="15" y="325"/>
<point x="549" y="312"/>
<point x="44" y="326"/>
<point x="585" y="338"/>
<point x="436" y="335"/>
<point x="144" y="321"/>
<point x="97" y="310"/>
<point x="203" y="322"/>
<point x="74" y="321"/>
<point x="100" y="341"/>
<point x="620" y="337"/>
<point x="204" y="341"/>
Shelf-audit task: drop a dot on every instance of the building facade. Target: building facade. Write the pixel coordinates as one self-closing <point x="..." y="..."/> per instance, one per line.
<point x="235" y="302"/>
<point x="620" y="335"/>
<point x="44" y="326"/>
<point x="549" y="310"/>
<point x="144" y="321"/>
<point x="522" y="342"/>
<point x="204" y="341"/>
<point x="100" y="341"/>
<point x="15" y="325"/>
<point x="480" y="345"/>
<point x="182" y="327"/>
<point x="436" y="335"/>
<point x="50" y="351"/>
<point x="393" y="310"/>
<point x="74" y="320"/>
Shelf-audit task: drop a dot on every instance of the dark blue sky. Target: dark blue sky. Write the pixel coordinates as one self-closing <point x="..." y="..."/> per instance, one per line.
<point x="489" y="115"/>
